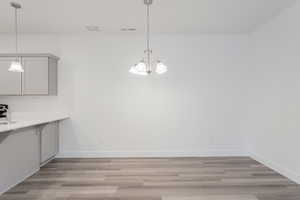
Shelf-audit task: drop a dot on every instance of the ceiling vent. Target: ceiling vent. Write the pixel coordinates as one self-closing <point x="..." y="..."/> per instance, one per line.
<point x="128" y="29"/>
<point x="92" y="28"/>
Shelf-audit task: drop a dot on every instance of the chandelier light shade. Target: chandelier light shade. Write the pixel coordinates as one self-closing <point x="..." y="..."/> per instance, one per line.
<point x="161" y="68"/>
<point x="16" y="65"/>
<point x="147" y="64"/>
<point x="139" y="69"/>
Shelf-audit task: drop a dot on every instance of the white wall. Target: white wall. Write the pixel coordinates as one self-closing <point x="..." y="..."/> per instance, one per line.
<point x="192" y="110"/>
<point x="272" y="123"/>
<point x="222" y="93"/>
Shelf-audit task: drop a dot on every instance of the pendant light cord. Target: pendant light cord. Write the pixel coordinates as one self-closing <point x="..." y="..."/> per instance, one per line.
<point x="148" y="27"/>
<point x="16" y="29"/>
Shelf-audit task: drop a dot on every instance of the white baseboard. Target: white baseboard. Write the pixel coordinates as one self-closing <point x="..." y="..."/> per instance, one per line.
<point x="277" y="167"/>
<point x="111" y="154"/>
<point x="20" y="181"/>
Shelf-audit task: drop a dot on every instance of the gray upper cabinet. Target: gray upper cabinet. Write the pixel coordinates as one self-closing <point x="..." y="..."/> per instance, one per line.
<point x="10" y="83"/>
<point x="39" y="77"/>
<point x="35" y="80"/>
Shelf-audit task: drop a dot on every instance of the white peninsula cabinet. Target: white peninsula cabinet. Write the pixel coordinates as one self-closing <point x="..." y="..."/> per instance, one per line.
<point x="23" y="151"/>
<point x="49" y="138"/>
<point x="39" y="76"/>
<point x="19" y="156"/>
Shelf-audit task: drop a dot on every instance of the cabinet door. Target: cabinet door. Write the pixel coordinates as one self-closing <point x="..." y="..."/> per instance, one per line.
<point x="49" y="141"/>
<point x="10" y="82"/>
<point x="35" y="76"/>
<point x="19" y="157"/>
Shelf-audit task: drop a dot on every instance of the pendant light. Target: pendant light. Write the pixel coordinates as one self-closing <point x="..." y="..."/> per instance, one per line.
<point x="144" y="67"/>
<point x="16" y="65"/>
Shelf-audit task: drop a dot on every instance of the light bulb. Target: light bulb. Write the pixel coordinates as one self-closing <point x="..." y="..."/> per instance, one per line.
<point x="16" y="67"/>
<point x="161" y="68"/>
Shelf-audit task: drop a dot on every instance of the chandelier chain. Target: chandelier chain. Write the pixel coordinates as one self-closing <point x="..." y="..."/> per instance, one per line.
<point x="148" y="39"/>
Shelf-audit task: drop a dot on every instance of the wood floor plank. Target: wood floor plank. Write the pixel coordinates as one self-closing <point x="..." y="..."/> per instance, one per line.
<point x="213" y="197"/>
<point x="209" y="178"/>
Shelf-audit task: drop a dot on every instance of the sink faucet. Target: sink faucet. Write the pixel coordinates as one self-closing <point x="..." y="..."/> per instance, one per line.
<point x="4" y="112"/>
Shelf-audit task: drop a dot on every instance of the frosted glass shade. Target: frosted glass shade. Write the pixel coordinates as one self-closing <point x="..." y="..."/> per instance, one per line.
<point x="161" y="68"/>
<point x="139" y="69"/>
<point x="16" y="67"/>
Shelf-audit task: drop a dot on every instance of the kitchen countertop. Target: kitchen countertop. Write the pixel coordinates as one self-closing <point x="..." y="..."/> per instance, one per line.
<point x="32" y="120"/>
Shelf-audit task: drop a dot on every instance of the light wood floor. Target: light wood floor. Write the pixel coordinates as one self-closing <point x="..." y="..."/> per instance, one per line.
<point x="230" y="178"/>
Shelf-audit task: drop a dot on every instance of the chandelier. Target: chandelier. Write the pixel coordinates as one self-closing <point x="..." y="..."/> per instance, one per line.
<point x="147" y="65"/>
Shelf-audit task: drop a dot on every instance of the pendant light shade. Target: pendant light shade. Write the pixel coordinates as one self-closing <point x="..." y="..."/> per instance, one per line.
<point x="16" y="65"/>
<point x="145" y="66"/>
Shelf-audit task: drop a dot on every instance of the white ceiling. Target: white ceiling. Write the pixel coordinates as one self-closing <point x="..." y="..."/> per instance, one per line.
<point x="168" y="16"/>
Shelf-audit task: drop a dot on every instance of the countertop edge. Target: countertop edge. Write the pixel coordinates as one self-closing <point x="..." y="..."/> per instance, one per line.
<point x="30" y="123"/>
